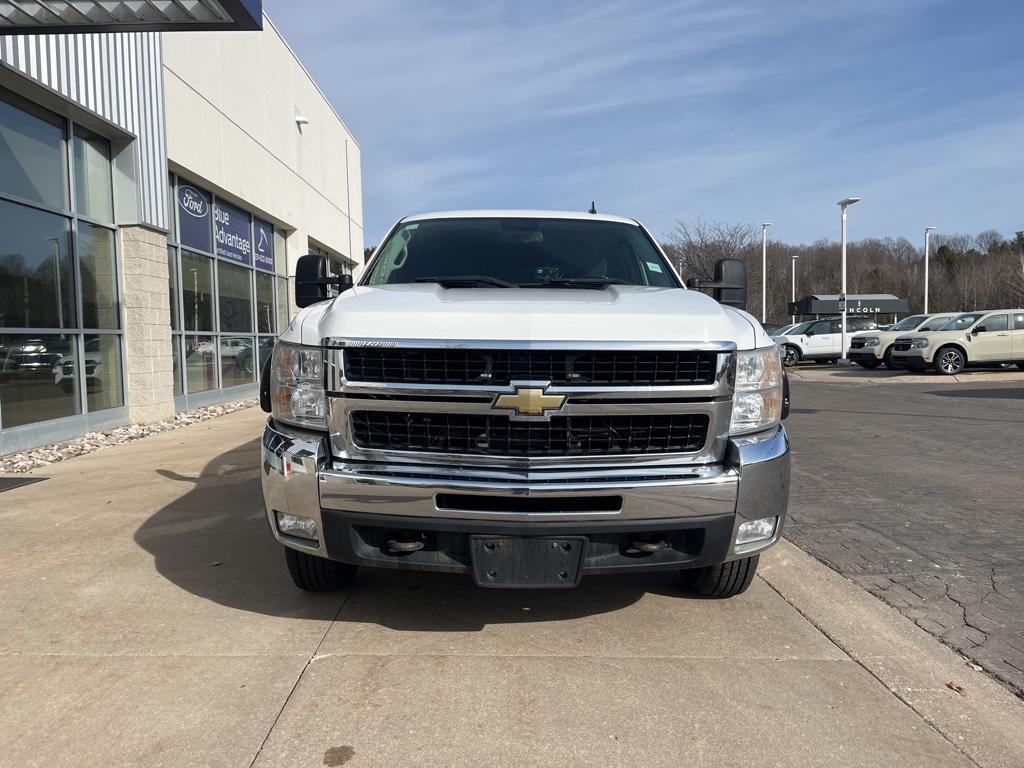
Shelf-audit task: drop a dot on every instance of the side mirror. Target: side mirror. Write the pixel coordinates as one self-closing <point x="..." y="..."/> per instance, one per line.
<point x="730" y="283"/>
<point x="312" y="280"/>
<point x="979" y="329"/>
<point x="809" y="332"/>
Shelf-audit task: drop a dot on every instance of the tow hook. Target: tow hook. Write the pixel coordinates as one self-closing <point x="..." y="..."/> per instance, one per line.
<point x="400" y="544"/>
<point x="648" y="547"/>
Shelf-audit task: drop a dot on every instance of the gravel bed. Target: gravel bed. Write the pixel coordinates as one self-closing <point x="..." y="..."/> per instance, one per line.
<point x="44" y="456"/>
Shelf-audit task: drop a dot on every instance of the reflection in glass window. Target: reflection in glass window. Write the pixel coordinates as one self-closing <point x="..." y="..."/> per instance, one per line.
<point x="283" y="302"/>
<point x="266" y="349"/>
<point x="172" y="280"/>
<point x="235" y="296"/>
<point x="236" y="360"/>
<point x="103" y="372"/>
<point x="32" y="162"/>
<point x="200" y="361"/>
<point x="264" y="303"/>
<point x="38" y="378"/>
<point x="37" y="272"/>
<point x="99" y="276"/>
<point x="196" y="292"/>
<point x="93" y="193"/>
<point x="176" y="354"/>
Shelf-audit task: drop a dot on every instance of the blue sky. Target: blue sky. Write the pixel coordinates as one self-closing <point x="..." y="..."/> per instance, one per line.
<point x="739" y="111"/>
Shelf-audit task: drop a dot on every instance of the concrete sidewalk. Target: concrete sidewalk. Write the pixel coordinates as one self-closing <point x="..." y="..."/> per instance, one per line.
<point x="146" y="618"/>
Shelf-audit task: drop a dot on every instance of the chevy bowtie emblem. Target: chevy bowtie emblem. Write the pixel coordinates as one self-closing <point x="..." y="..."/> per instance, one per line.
<point x="529" y="401"/>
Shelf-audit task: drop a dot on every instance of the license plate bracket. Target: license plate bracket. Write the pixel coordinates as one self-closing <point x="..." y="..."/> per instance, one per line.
<point x="528" y="561"/>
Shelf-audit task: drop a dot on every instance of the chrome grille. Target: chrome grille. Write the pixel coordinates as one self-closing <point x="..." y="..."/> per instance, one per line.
<point x="497" y="435"/>
<point x="455" y="366"/>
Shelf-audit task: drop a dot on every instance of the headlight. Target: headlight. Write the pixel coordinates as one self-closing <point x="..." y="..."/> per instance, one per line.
<point x="919" y="343"/>
<point x="297" y="386"/>
<point x="871" y="341"/>
<point x="757" y="401"/>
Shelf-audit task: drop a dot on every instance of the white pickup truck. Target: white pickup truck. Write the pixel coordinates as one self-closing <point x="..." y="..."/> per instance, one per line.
<point x="525" y="397"/>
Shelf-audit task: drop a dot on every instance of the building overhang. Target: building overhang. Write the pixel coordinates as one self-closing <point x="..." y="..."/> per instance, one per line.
<point x="21" y="17"/>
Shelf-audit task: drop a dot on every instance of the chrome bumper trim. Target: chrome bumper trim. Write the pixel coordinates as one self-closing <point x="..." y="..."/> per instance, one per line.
<point x="300" y="477"/>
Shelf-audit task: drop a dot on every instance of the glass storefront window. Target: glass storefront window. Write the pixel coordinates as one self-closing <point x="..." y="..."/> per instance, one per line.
<point x="264" y="303"/>
<point x="236" y="360"/>
<point x="99" y="276"/>
<point x="200" y="362"/>
<point x="103" y="372"/>
<point x="283" y="302"/>
<point x="172" y="286"/>
<point x="176" y="355"/>
<point x="37" y="271"/>
<point x="94" y="195"/>
<point x="196" y="292"/>
<point x="266" y="348"/>
<point x="38" y="378"/>
<point x="234" y="289"/>
<point x="280" y="253"/>
<point x="32" y="159"/>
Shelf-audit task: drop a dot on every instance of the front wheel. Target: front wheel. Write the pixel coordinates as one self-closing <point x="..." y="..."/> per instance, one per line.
<point x="722" y="580"/>
<point x="317" y="574"/>
<point x="887" y="359"/>
<point x="949" y="361"/>
<point x="1021" y="365"/>
<point x="790" y="356"/>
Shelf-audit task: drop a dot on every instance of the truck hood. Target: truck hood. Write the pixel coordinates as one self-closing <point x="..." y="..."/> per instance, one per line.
<point x="617" y="313"/>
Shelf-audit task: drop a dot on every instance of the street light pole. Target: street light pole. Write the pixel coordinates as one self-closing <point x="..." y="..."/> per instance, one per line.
<point x="764" y="271"/>
<point x="792" y="318"/>
<point x="843" y="204"/>
<point x="927" y="233"/>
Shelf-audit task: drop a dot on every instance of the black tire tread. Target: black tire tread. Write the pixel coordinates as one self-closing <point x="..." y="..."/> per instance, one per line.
<point x="317" y="574"/>
<point x="723" y="579"/>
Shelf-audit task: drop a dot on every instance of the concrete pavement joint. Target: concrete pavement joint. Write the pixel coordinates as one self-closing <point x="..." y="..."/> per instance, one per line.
<point x="924" y="717"/>
<point x="298" y="679"/>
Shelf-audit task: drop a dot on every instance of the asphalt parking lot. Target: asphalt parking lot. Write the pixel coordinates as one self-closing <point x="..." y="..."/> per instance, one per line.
<point x="913" y="487"/>
<point x="148" y="620"/>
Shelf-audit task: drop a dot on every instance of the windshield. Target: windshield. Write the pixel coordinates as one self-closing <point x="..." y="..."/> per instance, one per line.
<point x="960" y="322"/>
<point x="520" y="252"/>
<point x="799" y="328"/>
<point x="935" y="323"/>
<point x="908" y="323"/>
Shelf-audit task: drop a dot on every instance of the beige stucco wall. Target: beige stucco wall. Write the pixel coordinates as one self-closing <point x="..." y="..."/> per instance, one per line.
<point x="231" y="102"/>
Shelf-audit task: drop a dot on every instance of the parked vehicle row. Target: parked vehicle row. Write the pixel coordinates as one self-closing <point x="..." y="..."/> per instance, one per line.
<point x="946" y="342"/>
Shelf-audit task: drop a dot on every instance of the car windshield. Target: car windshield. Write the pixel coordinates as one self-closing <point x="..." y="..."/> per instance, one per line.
<point x="520" y="252"/>
<point x="799" y="328"/>
<point x="960" y="322"/>
<point x="934" y="324"/>
<point x="908" y="323"/>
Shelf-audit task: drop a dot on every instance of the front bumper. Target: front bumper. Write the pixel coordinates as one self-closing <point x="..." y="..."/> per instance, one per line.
<point x="863" y="355"/>
<point x="358" y="506"/>
<point x="910" y="360"/>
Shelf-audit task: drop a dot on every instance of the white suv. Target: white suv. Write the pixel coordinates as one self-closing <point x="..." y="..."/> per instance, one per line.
<point x="822" y="341"/>
<point x="872" y="348"/>
<point x="971" y="339"/>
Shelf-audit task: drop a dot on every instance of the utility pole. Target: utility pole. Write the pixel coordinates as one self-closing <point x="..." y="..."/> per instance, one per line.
<point x="843" y="204"/>
<point x="764" y="271"/>
<point x="927" y="234"/>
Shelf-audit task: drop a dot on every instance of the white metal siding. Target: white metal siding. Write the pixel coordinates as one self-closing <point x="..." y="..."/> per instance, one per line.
<point x="117" y="76"/>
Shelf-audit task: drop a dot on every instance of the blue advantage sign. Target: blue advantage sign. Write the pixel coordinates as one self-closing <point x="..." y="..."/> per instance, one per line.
<point x="263" y="250"/>
<point x="232" y="230"/>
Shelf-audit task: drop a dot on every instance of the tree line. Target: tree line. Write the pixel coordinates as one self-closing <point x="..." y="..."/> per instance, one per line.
<point x="966" y="273"/>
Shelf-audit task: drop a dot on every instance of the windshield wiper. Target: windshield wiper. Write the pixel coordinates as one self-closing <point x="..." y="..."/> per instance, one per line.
<point x="466" y="281"/>
<point x="577" y="282"/>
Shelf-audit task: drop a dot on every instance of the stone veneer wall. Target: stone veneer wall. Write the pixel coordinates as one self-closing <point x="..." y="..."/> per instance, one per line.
<point x="149" y="362"/>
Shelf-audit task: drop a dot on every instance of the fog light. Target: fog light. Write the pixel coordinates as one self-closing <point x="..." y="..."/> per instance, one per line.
<point x="296" y="525"/>
<point x="756" y="530"/>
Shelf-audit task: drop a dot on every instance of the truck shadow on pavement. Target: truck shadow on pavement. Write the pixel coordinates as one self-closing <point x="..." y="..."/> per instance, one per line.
<point x="213" y="542"/>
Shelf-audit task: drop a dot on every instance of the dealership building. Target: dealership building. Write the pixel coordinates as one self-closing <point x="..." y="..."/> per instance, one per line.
<point x="156" y="191"/>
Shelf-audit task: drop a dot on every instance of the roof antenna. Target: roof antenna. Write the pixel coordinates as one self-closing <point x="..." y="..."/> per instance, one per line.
<point x="593" y="208"/>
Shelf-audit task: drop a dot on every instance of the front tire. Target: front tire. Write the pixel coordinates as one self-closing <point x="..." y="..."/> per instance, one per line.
<point x="887" y="359"/>
<point x="790" y="356"/>
<point x="1021" y="366"/>
<point x="722" y="580"/>
<point x="949" y="361"/>
<point x="317" y="574"/>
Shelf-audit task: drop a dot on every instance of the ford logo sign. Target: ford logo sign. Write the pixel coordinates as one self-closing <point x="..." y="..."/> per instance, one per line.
<point x="193" y="202"/>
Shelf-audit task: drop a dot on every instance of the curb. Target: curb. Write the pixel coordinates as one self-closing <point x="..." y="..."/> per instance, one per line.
<point x="982" y="719"/>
